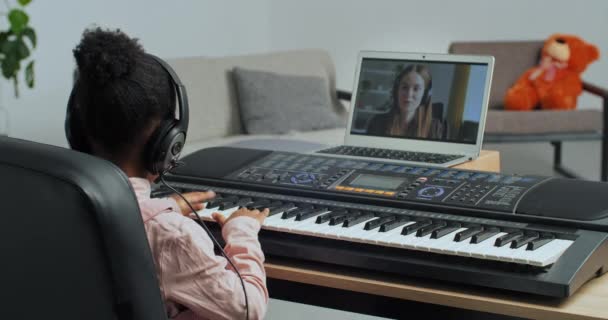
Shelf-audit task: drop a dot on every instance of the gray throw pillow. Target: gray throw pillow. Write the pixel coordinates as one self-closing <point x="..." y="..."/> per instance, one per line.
<point x="272" y="103"/>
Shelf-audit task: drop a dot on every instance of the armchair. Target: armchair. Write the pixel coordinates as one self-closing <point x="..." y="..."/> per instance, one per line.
<point x="73" y="243"/>
<point x="512" y="58"/>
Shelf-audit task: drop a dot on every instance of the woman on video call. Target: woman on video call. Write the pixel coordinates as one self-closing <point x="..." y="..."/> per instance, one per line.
<point x="411" y="109"/>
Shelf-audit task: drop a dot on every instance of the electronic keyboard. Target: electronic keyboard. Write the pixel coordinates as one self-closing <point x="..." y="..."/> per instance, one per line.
<point x="524" y="233"/>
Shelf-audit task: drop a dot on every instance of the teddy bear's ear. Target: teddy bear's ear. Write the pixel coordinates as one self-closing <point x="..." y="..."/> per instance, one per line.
<point x="593" y="53"/>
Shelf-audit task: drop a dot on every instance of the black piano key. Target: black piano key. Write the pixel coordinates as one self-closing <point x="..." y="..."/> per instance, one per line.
<point x="218" y="201"/>
<point x="274" y="204"/>
<point x="334" y="213"/>
<point x="401" y="220"/>
<point x="227" y="205"/>
<point x="282" y="208"/>
<point x="465" y="234"/>
<point x="449" y="228"/>
<point x="259" y="204"/>
<point x="242" y="202"/>
<point x="527" y="238"/>
<point x="484" y="235"/>
<point x="315" y="212"/>
<point x="535" y="244"/>
<point x="501" y="241"/>
<point x="430" y="228"/>
<point x="378" y="222"/>
<point x="335" y="220"/>
<point x="355" y="220"/>
<point x="295" y="212"/>
<point x="414" y="227"/>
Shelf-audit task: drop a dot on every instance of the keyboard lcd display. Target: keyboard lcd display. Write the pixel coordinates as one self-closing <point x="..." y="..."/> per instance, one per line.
<point x="377" y="181"/>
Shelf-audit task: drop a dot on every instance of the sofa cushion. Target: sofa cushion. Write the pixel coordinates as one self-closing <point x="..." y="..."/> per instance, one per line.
<point x="213" y="105"/>
<point x="272" y="103"/>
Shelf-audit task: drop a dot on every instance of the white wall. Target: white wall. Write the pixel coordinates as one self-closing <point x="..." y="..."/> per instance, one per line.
<point x="346" y="27"/>
<point x="166" y="28"/>
<point x="207" y="27"/>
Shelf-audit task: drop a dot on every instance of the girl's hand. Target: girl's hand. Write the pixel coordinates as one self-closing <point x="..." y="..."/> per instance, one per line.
<point x="242" y="212"/>
<point x="196" y="199"/>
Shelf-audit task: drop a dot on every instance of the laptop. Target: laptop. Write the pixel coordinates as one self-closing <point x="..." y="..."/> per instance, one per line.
<point x="417" y="108"/>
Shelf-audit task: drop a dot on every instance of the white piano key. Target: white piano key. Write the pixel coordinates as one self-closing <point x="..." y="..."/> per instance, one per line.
<point x="478" y="249"/>
<point x="438" y="245"/>
<point x="550" y="252"/>
<point x="353" y="232"/>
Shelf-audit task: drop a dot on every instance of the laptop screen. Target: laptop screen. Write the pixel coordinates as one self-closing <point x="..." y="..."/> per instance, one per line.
<point x="422" y="100"/>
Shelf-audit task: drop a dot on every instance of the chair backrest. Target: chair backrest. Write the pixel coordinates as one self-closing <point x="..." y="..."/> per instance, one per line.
<point x="511" y="60"/>
<point x="73" y="243"/>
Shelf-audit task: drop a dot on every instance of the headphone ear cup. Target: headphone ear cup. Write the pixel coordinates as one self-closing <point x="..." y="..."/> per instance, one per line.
<point x="164" y="147"/>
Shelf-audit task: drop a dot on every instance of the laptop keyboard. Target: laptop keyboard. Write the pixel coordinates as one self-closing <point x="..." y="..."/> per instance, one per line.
<point x="391" y="154"/>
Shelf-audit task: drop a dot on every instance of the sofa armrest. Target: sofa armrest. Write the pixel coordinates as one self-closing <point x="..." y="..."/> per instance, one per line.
<point x="344" y="95"/>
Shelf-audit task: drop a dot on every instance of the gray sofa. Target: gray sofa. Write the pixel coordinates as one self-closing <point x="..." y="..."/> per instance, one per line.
<point x="215" y="117"/>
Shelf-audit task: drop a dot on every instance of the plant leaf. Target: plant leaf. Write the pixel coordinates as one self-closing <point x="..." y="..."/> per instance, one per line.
<point x="22" y="50"/>
<point x="29" y="74"/>
<point x="24" y="2"/>
<point x="18" y="20"/>
<point x="9" y="65"/>
<point x="30" y="34"/>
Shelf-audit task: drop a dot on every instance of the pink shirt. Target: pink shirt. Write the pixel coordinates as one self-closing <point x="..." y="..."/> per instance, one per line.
<point x="196" y="283"/>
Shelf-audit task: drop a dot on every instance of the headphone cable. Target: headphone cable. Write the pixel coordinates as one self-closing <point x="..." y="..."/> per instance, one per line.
<point x="202" y="224"/>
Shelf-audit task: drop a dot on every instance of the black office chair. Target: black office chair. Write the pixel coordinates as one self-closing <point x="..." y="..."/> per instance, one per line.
<point x="72" y="241"/>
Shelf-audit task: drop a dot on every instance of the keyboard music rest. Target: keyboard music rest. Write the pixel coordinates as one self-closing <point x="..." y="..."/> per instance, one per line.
<point x="578" y="250"/>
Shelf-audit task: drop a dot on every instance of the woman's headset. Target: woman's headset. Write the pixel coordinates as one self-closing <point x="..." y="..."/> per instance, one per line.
<point x="164" y="147"/>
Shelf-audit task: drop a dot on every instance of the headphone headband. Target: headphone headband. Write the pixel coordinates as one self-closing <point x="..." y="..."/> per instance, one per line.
<point x="164" y="147"/>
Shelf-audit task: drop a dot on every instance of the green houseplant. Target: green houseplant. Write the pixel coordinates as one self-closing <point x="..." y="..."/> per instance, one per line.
<point x="16" y="43"/>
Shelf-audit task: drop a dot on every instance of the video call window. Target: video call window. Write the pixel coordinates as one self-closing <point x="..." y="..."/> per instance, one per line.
<point x="423" y="100"/>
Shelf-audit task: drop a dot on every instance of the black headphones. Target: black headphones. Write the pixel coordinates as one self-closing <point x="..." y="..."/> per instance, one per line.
<point x="426" y="98"/>
<point x="166" y="143"/>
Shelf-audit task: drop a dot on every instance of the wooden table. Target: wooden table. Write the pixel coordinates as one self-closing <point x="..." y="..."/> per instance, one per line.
<point x="388" y="292"/>
<point x="488" y="160"/>
<point x="397" y="296"/>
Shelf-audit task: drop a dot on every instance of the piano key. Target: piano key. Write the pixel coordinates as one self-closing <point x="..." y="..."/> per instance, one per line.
<point x="353" y="232"/>
<point x="466" y="234"/>
<point x="280" y="209"/>
<point x="535" y="244"/>
<point x="414" y="227"/>
<point x="315" y="212"/>
<point x="477" y="249"/>
<point x="400" y="221"/>
<point x="392" y="237"/>
<point x="508" y="238"/>
<point x="334" y="213"/>
<point x="300" y="208"/>
<point x="335" y="220"/>
<point x="214" y="203"/>
<point x="442" y="244"/>
<point x="487" y="233"/>
<point x="243" y="202"/>
<point x="227" y="205"/>
<point x="378" y="222"/>
<point x="527" y="238"/>
<point x="430" y="228"/>
<point x="260" y="204"/>
<point x="353" y="221"/>
<point x="549" y="253"/>
<point x="450" y="228"/>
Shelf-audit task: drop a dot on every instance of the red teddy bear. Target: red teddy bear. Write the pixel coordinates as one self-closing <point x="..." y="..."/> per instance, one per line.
<point x="556" y="83"/>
